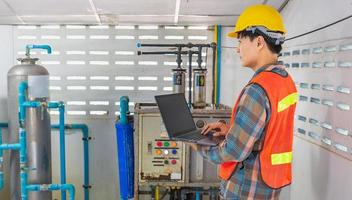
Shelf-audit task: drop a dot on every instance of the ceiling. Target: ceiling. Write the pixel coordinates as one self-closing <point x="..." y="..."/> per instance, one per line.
<point x="182" y="12"/>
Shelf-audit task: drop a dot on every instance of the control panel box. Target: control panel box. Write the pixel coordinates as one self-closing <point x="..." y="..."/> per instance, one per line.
<point x="161" y="161"/>
<point x="160" y="158"/>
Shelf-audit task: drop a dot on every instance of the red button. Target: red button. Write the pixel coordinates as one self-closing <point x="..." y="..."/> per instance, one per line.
<point x="173" y="162"/>
<point x="159" y="144"/>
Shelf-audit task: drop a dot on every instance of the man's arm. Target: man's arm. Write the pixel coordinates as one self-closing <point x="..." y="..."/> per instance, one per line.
<point x="249" y="123"/>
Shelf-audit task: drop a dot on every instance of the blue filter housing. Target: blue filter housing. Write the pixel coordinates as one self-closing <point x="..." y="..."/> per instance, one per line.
<point x="125" y="148"/>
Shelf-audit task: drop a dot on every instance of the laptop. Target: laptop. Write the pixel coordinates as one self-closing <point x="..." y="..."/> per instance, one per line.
<point x="179" y="122"/>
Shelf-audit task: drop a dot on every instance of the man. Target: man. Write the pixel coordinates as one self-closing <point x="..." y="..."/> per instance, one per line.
<point x="255" y="158"/>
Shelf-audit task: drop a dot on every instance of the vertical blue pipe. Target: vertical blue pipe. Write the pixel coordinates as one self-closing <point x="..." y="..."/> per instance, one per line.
<point x="23" y="164"/>
<point x="22" y="98"/>
<point x="62" y="148"/>
<point x="124" y="109"/>
<point x="219" y="27"/>
<point x="197" y="195"/>
<point x="1" y="163"/>
<point x="85" y="131"/>
<point x="86" y="161"/>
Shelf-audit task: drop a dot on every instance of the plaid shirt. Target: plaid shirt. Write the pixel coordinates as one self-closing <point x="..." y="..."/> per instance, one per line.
<point x="243" y="144"/>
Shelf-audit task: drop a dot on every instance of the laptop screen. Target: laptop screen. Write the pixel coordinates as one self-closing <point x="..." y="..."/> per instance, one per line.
<point x="175" y="113"/>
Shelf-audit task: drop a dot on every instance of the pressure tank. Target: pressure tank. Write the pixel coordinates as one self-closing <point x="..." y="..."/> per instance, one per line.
<point x="178" y="80"/>
<point x="37" y="125"/>
<point x="199" y="88"/>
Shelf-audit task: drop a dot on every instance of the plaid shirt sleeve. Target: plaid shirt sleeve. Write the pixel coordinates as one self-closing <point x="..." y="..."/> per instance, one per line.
<point x="250" y="120"/>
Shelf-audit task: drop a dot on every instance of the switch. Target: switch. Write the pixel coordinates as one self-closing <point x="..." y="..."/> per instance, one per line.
<point x="173" y="162"/>
<point x="174" y="151"/>
<point x="166" y="162"/>
<point x="166" y="152"/>
<point x="159" y="144"/>
<point x="158" y="152"/>
<point x="173" y="144"/>
<point x="166" y="144"/>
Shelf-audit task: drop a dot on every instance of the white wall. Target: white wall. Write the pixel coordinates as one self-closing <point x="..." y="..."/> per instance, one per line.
<point x="6" y="62"/>
<point x="233" y="76"/>
<point x="318" y="174"/>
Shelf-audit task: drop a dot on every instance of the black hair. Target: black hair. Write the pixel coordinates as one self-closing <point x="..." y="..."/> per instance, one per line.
<point x="269" y="41"/>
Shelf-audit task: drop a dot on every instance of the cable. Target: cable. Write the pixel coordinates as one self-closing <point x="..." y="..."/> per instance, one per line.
<point x="318" y="29"/>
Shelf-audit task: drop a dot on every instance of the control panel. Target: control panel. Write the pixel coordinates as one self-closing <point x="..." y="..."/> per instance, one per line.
<point x="161" y="159"/>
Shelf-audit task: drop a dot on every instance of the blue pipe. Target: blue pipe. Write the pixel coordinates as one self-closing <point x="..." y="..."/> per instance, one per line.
<point x="51" y="187"/>
<point x="62" y="148"/>
<point x="61" y="107"/>
<point x="16" y="146"/>
<point x="53" y="104"/>
<point x="124" y="109"/>
<point x="219" y="27"/>
<point x="22" y="98"/>
<point x="31" y="104"/>
<point x="34" y="46"/>
<point x="197" y="195"/>
<point x="1" y="162"/>
<point x="23" y="148"/>
<point x="85" y="131"/>
<point x="1" y="180"/>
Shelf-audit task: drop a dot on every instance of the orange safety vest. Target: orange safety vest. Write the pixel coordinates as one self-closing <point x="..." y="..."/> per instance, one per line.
<point x="276" y="154"/>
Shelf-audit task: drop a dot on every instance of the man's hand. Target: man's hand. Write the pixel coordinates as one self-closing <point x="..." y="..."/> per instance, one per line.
<point x="220" y="129"/>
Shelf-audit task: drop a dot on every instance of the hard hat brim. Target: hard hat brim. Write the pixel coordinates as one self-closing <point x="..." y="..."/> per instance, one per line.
<point x="232" y="34"/>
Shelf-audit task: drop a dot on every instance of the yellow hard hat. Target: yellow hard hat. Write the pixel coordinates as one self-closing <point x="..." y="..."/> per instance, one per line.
<point x="259" y="15"/>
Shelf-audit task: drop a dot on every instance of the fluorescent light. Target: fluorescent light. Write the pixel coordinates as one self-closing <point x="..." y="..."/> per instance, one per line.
<point x="177" y="11"/>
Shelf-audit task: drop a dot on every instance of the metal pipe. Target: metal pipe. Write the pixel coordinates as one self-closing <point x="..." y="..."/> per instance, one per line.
<point x="199" y="60"/>
<point x="163" y="52"/>
<point x="188" y="45"/>
<point x="190" y="78"/>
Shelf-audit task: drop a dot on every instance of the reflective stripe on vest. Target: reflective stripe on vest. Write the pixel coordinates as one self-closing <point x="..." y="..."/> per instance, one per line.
<point x="287" y="102"/>
<point x="281" y="158"/>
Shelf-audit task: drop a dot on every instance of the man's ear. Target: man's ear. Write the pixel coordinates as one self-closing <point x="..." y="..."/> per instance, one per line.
<point x="260" y="42"/>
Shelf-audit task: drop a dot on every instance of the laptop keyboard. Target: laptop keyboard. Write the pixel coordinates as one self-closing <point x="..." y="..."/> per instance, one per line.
<point x="195" y="135"/>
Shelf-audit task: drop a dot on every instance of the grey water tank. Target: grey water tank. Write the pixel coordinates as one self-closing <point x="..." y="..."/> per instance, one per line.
<point x="37" y="126"/>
